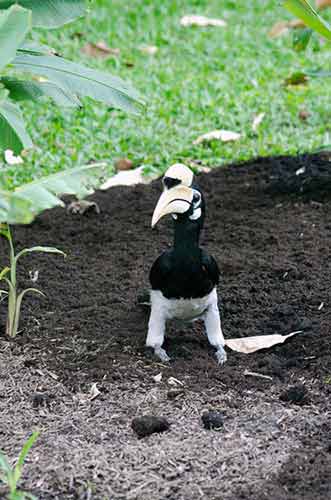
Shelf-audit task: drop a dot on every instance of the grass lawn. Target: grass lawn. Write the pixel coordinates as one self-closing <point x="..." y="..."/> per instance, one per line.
<point x="199" y="80"/>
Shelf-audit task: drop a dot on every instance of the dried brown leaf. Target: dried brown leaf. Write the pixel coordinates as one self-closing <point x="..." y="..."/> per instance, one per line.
<point x="257" y="121"/>
<point x="123" y="164"/>
<point x="304" y="115"/>
<point x="94" y="392"/>
<point x="100" y="49"/>
<point x="202" y="21"/>
<point x="129" y="178"/>
<point x="149" y="49"/>
<point x="252" y="344"/>
<point x="157" y="378"/>
<point x="11" y="159"/>
<point x="198" y="166"/>
<point x="322" y="4"/>
<point x="279" y="29"/>
<point x="218" y="135"/>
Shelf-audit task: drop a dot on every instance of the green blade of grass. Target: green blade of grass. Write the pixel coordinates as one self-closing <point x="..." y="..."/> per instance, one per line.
<point x="22" y="456"/>
<point x="304" y="11"/>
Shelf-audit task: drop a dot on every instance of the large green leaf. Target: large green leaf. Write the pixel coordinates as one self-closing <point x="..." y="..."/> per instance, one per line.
<point x="13" y="134"/>
<point x="14" y="209"/>
<point x="50" y="13"/>
<point x="34" y="48"/>
<point x="303" y="10"/>
<point x="81" y="81"/>
<point x="14" y="25"/>
<point x="26" y="202"/>
<point x="21" y="90"/>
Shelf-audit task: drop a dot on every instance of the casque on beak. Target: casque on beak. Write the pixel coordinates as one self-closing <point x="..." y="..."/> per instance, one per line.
<point x="180" y="173"/>
<point x="176" y="200"/>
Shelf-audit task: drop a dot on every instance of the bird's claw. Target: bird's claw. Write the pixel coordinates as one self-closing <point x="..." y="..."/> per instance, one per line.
<point x="221" y="356"/>
<point x="161" y="354"/>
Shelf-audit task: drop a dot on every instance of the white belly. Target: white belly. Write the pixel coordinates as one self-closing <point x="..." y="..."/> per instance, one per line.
<point x="181" y="309"/>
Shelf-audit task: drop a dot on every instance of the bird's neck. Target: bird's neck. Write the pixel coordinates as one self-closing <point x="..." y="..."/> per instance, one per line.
<point x="186" y="240"/>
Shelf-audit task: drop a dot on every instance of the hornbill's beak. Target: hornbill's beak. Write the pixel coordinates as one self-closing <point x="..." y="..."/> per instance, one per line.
<point x="176" y="200"/>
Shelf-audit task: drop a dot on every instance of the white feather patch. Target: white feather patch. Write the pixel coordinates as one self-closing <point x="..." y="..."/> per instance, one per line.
<point x="196" y="214"/>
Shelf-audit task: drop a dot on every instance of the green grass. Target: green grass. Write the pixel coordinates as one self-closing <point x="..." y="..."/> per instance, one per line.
<point x="200" y="79"/>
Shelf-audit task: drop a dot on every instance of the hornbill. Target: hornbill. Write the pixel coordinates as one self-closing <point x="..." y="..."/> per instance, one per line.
<point x="184" y="278"/>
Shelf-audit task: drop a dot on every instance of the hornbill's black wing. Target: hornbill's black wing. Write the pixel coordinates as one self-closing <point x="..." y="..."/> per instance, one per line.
<point x="210" y="266"/>
<point x="160" y="270"/>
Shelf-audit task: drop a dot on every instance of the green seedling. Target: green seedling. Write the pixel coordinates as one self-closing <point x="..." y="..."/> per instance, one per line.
<point x="9" y="275"/>
<point x="11" y="476"/>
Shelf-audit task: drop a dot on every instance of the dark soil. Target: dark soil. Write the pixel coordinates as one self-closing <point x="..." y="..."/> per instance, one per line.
<point x="269" y="226"/>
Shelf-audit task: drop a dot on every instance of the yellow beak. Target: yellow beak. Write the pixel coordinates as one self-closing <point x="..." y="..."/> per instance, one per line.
<point x="176" y="200"/>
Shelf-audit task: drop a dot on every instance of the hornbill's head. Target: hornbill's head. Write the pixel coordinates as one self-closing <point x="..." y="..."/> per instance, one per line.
<point x="179" y="198"/>
<point x="177" y="174"/>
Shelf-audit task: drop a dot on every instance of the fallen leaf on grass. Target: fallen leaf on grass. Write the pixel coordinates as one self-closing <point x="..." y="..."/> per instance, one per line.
<point x="282" y="27"/>
<point x="304" y="115"/>
<point x="322" y="4"/>
<point x="123" y="164"/>
<point x="129" y="178"/>
<point x="198" y="167"/>
<point x="252" y="344"/>
<point x="150" y="49"/>
<point x="257" y="121"/>
<point x="218" y="135"/>
<point x="279" y="29"/>
<point x="100" y="49"/>
<point x="11" y="159"/>
<point x="193" y="20"/>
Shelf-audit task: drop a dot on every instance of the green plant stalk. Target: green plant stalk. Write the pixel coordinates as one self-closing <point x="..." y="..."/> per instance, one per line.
<point x="12" y="292"/>
<point x="15" y="298"/>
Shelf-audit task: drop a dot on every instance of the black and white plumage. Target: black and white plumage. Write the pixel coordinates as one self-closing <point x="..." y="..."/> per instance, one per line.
<point x="184" y="278"/>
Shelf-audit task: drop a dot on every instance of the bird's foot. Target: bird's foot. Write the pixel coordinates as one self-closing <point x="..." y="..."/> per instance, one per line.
<point x="82" y="206"/>
<point x="221" y="356"/>
<point x="161" y="354"/>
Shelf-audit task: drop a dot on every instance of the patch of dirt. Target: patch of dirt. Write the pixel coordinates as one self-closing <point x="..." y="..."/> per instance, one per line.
<point x="269" y="227"/>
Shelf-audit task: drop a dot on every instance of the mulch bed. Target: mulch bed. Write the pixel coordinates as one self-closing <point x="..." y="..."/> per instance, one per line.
<point x="269" y="227"/>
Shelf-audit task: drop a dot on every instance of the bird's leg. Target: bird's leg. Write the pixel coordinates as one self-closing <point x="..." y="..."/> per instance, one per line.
<point x="214" y="331"/>
<point x="156" y="331"/>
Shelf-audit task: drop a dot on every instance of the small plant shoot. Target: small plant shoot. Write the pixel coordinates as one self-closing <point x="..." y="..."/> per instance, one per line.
<point x="9" y="276"/>
<point x="10" y="476"/>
